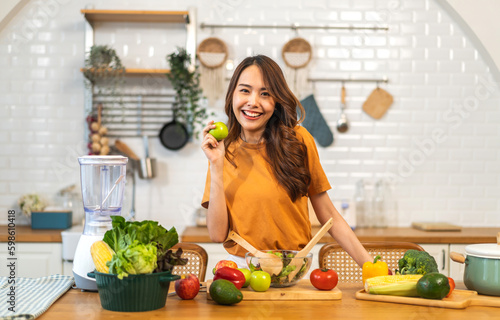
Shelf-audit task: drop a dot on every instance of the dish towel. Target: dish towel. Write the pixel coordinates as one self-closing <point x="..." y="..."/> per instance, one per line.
<point x="315" y="123"/>
<point x="31" y="296"/>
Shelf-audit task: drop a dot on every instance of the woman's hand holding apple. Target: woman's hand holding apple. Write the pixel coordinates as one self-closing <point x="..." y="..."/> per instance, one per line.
<point x="213" y="149"/>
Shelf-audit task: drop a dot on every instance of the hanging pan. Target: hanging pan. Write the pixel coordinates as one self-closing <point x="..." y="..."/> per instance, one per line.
<point x="173" y="135"/>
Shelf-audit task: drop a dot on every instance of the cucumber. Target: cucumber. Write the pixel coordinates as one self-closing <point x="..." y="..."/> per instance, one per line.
<point x="225" y="292"/>
<point x="433" y="286"/>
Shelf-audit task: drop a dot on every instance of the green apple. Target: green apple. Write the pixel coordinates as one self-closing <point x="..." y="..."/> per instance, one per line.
<point x="248" y="275"/>
<point x="260" y="281"/>
<point x="220" y="131"/>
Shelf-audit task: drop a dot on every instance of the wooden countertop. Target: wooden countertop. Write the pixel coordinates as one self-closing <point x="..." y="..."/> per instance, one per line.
<point x="467" y="235"/>
<point x="86" y="305"/>
<point x="26" y="234"/>
<point x="200" y="235"/>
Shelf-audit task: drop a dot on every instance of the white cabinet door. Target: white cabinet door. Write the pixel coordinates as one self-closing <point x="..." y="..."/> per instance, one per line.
<point x="34" y="260"/>
<point x="440" y="252"/>
<point x="457" y="269"/>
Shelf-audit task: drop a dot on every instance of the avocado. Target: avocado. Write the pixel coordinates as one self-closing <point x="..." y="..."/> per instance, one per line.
<point x="225" y="292"/>
<point x="433" y="285"/>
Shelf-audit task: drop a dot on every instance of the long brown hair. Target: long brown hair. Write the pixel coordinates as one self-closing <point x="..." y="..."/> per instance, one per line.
<point x="286" y="154"/>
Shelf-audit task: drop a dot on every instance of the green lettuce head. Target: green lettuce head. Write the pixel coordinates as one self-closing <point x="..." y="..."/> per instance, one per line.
<point x="137" y="258"/>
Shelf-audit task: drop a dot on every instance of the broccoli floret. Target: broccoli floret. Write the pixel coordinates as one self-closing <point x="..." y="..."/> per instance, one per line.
<point x="417" y="262"/>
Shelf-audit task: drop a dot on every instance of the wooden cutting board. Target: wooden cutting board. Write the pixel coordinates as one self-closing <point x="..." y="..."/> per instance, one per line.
<point x="436" y="226"/>
<point x="377" y="103"/>
<point x="459" y="299"/>
<point x="303" y="290"/>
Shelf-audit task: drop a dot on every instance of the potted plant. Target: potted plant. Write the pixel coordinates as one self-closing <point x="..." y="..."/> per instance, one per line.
<point x="103" y="63"/>
<point x="186" y="83"/>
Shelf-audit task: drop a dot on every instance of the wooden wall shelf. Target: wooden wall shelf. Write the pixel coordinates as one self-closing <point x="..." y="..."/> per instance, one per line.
<point x="135" y="16"/>
<point x="140" y="72"/>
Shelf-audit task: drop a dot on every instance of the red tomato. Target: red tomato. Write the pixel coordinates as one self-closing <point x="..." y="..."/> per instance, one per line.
<point x="324" y="279"/>
<point x="452" y="286"/>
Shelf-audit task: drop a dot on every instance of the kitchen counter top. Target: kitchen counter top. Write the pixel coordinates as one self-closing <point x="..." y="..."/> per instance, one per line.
<point x="200" y="235"/>
<point x="86" y="305"/>
<point x="467" y="235"/>
<point x="26" y="234"/>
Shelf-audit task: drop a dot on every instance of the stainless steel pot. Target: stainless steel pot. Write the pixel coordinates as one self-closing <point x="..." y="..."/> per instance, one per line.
<point x="482" y="267"/>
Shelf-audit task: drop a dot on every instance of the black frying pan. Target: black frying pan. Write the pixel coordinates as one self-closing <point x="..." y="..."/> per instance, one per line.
<point x="174" y="135"/>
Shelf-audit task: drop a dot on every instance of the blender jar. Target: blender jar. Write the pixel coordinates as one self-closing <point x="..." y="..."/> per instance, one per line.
<point x="103" y="184"/>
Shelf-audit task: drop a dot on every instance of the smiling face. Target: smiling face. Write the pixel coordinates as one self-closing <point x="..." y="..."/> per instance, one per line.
<point x="253" y="105"/>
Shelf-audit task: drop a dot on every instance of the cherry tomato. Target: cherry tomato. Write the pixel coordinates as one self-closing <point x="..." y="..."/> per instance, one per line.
<point x="452" y="286"/>
<point x="324" y="279"/>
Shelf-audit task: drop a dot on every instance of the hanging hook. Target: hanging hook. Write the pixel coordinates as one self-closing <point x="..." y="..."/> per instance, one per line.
<point x="295" y="29"/>
<point x="377" y="82"/>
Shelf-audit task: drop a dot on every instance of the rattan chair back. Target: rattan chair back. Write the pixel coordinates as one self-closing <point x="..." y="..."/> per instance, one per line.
<point x="332" y="256"/>
<point x="197" y="260"/>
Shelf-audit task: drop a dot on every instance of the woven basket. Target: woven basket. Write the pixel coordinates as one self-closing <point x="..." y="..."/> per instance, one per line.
<point x="212" y="52"/>
<point x="297" y="53"/>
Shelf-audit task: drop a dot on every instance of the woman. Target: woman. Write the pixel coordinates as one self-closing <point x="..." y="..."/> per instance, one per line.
<point x="261" y="175"/>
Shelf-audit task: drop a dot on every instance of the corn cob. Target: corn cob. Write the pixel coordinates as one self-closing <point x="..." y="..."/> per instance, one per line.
<point x="397" y="285"/>
<point x="101" y="253"/>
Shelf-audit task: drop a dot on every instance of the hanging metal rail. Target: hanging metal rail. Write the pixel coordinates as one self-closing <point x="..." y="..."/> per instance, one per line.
<point x="384" y="80"/>
<point x="292" y="26"/>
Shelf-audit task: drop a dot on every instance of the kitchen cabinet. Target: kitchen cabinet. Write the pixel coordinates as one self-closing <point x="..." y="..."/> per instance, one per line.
<point x="457" y="269"/>
<point x="33" y="259"/>
<point x="441" y="253"/>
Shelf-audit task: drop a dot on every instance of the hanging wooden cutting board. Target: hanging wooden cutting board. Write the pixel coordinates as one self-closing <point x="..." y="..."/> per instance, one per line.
<point x="303" y="290"/>
<point x="459" y="299"/>
<point x="377" y="103"/>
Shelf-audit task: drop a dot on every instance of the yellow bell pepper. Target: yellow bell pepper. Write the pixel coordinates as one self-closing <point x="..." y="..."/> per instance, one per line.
<point x="374" y="269"/>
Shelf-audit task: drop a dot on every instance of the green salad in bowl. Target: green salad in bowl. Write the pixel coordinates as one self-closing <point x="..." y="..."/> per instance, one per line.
<point x="287" y="256"/>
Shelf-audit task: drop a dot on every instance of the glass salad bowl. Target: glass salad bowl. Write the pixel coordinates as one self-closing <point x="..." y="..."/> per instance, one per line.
<point x="287" y="256"/>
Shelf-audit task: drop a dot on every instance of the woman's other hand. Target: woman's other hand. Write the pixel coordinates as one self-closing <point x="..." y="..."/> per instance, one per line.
<point x="214" y="150"/>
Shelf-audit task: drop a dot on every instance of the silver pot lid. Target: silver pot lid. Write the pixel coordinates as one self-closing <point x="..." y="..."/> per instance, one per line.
<point x="484" y="250"/>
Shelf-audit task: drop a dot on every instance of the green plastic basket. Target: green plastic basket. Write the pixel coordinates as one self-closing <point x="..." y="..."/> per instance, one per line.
<point x="141" y="292"/>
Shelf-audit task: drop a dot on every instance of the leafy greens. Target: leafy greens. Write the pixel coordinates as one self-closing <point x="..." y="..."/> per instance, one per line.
<point x="141" y="247"/>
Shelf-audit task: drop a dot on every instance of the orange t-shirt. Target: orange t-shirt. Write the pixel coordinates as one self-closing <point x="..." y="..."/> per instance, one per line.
<point x="260" y="209"/>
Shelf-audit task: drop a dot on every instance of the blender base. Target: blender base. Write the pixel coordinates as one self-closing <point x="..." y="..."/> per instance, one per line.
<point x="84" y="284"/>
<point x="83" y="263"/>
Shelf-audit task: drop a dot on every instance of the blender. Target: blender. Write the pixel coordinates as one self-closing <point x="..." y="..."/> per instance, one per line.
<point x="103" y="185"/>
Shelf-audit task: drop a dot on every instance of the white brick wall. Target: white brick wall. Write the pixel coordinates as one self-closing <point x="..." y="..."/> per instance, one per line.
<point x="439" y="81"/>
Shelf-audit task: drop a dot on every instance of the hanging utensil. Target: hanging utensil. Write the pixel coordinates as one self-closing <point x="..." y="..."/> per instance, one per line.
<point x="303" y="253"/>
<point x="125" y="149"/>
<point x="147" y="166"/>
<point x="377" y="103"/>
<point x="342" y="123"/>
<point x="174" y="135"/>
<point x="269" y="263"/>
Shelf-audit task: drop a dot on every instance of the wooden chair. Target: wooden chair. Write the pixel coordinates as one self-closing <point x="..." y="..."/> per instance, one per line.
<point x="197" y="260"/>
<point x="332" y="256"/>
